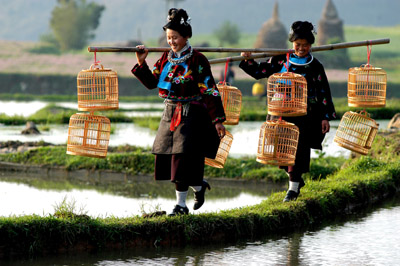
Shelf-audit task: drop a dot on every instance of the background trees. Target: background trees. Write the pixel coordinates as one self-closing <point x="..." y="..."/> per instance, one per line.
<point x="73" y="22"/>
<point x="227" y="33"/>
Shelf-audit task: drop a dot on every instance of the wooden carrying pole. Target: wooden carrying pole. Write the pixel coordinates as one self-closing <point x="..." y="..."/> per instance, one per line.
<point x="200" y="49"/>
<point x="313" y="49"/>
<point x="260" y="52"/>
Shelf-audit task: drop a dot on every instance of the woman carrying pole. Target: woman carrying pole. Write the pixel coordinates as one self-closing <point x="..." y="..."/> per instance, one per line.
<point x="191" y="125"/>
<point x="320" y="108"/>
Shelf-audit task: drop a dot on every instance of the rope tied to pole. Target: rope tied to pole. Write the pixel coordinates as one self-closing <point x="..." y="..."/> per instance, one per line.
<point x="95" y="57"/>
<point x="369" y="49"/>
<point x="226" y="69"/>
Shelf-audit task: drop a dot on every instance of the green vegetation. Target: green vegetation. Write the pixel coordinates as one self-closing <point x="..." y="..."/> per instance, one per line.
<point x="73" y="23"/>
<point x="68" y="209"/>
<point x="227" y="33"/>
<point x="362" y="181"/>
<point x="135" y="160"/>
<point x="149" y="122"/>
<point x="138" y="161"/>
<point x="392" y="107"/>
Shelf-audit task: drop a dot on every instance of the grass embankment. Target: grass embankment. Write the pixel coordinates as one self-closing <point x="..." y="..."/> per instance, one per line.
<point x="139" y="161"/>
<point x="361" y="181"/>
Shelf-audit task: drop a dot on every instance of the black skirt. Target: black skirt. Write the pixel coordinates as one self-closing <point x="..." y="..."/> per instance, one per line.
<point x="180" y="154"/>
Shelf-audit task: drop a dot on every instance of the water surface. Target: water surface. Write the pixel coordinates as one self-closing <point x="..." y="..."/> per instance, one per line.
<point x="105" y="198"/>
<point x="370" y="238"/>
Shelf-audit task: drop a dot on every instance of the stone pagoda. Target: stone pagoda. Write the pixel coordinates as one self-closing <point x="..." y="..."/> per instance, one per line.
<point x="330" y="26"/>
<point x="272" y="33"/>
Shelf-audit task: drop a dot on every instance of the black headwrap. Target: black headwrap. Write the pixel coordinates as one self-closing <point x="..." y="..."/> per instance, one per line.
<point x="302" y="30"/>
<point x="178" y="20"/>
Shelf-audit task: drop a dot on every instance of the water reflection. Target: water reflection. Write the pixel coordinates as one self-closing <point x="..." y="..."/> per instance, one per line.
<point x="369" y="238"/>
<point x="99" y="198"/>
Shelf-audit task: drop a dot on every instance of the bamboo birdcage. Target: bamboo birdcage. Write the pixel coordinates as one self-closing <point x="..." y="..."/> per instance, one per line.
<point x="223" y="151"/>
<point x="232" y="101"/>
<point x="88" y="135"/>
<point x="356" y="132"/>
<point x="366" y="86"/>
<point x="287" y="94"/>
<point x="97" y="89"/>
<point x="277" y="144"/>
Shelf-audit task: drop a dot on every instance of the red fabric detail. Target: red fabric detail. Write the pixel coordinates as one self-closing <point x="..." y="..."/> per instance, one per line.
<point x="226" y="70"/>
<point x="176" y="118"/>
<point x="287" y="62"/>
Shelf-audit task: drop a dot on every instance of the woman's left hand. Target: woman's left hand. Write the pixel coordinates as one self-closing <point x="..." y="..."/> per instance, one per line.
<point x="220" y="129"/>
<point x="325" y="126"/>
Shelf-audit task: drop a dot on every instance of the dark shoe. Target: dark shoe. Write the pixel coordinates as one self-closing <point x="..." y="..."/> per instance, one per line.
<point x="290" y="195"/>
<point x="179" y="210"/>
<point x="199" y="196"/>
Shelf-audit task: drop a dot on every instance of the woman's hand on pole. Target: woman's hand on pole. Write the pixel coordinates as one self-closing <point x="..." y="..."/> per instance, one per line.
<point x="245" y="54"/>
<point x="325" y="126"/>
<point x="220" y="129"/>
<point x="141" y="55"/>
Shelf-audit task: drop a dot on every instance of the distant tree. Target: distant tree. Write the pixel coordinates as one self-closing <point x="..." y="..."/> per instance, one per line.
<point x="227" y="33"/>
<point x="73" y="22"/>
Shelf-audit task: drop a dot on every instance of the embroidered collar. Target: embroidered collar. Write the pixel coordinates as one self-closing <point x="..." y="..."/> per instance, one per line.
<point x="301" y="61"/>
<point x="181" y="56"/>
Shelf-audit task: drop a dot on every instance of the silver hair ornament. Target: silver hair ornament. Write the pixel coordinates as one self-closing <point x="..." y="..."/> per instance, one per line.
<point x="187" y="21"/>
<point x="314" y="29"/>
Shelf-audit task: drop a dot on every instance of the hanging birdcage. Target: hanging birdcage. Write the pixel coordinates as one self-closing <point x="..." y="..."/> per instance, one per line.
<point x="277" y="144"/>
<point x="97" y="89"/>
<point x="232" y="101"/>
<point x="287" y="94"/>
<point x="366" y="87"/>
<point x="88" y="135"/>
<point x="356" y="132"/>
<point x="223" y="151"/>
